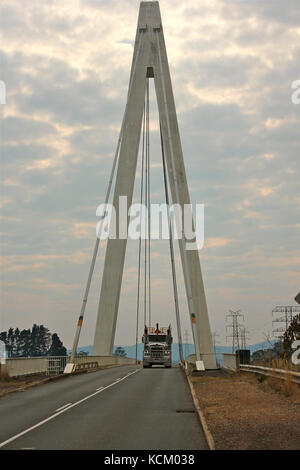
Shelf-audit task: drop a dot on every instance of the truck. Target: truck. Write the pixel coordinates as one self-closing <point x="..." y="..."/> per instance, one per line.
<point x="157" y="346"/>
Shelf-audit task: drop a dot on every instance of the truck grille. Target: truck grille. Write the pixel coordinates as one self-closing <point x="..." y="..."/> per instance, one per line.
<point x="157" y="352"/>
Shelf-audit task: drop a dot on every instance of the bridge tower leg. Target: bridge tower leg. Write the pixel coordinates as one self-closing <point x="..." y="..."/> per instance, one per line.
<point x="150" y="59"/>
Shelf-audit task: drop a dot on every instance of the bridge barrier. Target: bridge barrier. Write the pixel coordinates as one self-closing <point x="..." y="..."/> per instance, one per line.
<point x="271" y="372"/>
<point x="55" y="365"/>
<point x="104" y="360"/>
<point x="231" y="362"/>
<point x="48" y="365"/>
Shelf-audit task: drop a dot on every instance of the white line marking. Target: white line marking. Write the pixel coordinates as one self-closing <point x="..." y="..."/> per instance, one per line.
<point x="27" y="448"/>
<point x="13" y="438"/>
<point x="62" y="407"/>
<point x="97" y="389"/>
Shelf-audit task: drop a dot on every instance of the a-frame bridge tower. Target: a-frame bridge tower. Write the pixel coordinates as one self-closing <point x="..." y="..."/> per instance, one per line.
<point x="150" y="60"/>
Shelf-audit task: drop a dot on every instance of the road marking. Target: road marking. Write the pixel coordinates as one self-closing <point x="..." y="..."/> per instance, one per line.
<point x="27" y="448"/>
<point x="62" y="407"/>
<point x="13" y="438"/>
<point x="97" y="389"/>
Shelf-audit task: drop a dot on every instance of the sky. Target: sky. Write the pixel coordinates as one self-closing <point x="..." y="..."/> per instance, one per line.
<point x="66" y="68"/>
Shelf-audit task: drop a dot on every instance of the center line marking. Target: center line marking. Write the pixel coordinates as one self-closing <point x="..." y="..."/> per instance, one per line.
<point x="62" y="407"/>
<point x="13" y="438"/>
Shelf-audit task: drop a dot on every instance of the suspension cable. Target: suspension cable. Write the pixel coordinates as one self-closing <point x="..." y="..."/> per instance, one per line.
<point x="149" y="207"/>
<point x="145" y="220"/>
<point x="147" y="253"/>
<point x="172" y="250"/>
<point x="96" y="247"/>
<point x="140" y="239"/>
<point x="145" y="214"/>
<point x="177" y="198"/>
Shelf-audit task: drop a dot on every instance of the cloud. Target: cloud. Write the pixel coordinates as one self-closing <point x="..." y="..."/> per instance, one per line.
<point x="66" y="67"/>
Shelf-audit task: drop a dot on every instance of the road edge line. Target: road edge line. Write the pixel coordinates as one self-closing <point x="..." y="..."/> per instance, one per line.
<point x="207" y="433"/>
<point x="51" y="417"/>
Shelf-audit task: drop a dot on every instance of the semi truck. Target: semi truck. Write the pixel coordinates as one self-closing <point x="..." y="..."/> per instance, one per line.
<point x="157" y="346"/>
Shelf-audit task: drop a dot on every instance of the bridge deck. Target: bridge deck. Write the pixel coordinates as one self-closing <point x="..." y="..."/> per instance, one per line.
<point x="150" y="409"/>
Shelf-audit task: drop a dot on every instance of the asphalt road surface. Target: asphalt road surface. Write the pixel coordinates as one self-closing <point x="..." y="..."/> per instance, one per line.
<point x="123" y="408"/>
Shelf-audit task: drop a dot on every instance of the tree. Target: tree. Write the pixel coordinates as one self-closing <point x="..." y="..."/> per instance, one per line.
<point x="291" y="334"/>
<point x="10" y="342"/>
<point x="120" y="352"/>
<point x="32" y="343"/>
<point x="16" y="343"/>
<point x="44" y="340"/>
<point x="40" y="341"/>
<point x="57" y="348"/>
<point x="25" y="342"/>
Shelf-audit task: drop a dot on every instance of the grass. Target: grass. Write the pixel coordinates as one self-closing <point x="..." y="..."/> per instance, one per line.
<point x="287" y="387"/>
<point x="244" y="411"/>
<point x="12" y="384"/>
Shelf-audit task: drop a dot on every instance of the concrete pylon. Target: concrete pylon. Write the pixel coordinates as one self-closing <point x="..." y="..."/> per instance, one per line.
<point x="150" y="60"/>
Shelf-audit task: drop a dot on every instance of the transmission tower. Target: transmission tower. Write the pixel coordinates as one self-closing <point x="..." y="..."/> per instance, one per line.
<point x="235" y="326"/>
<point x="285" y="319"/>
<point x="243" y="337"/>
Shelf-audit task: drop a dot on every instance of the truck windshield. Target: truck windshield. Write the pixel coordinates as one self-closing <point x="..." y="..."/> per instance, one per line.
<point x="157" y="338"/>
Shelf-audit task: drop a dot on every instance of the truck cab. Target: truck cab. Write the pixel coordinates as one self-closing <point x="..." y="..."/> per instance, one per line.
<point x="157" y="346"/>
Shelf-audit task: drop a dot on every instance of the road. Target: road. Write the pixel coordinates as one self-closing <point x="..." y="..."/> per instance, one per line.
<point x="122" y="408"/>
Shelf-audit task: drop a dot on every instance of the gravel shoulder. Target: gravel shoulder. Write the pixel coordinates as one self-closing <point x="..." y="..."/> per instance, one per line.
<point x="246" y="412"/>
<point x="19" y="384"/>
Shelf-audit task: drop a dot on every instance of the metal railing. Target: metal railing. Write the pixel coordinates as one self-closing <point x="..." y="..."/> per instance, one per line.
<point x="56" y="365"/>
<point x="277" y="373"/>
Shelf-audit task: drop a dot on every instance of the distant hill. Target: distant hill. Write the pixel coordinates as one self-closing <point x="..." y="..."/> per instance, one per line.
<point x="187" y="349"/>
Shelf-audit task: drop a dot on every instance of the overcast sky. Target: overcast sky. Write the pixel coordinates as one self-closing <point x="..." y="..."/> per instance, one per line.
<point x="66" y="67"/>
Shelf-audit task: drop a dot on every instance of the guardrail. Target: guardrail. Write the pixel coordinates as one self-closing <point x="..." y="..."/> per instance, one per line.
<point x="277" y="373"/>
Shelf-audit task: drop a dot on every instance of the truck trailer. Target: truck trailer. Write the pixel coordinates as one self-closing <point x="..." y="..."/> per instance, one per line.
<point x="157" y="346"/>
